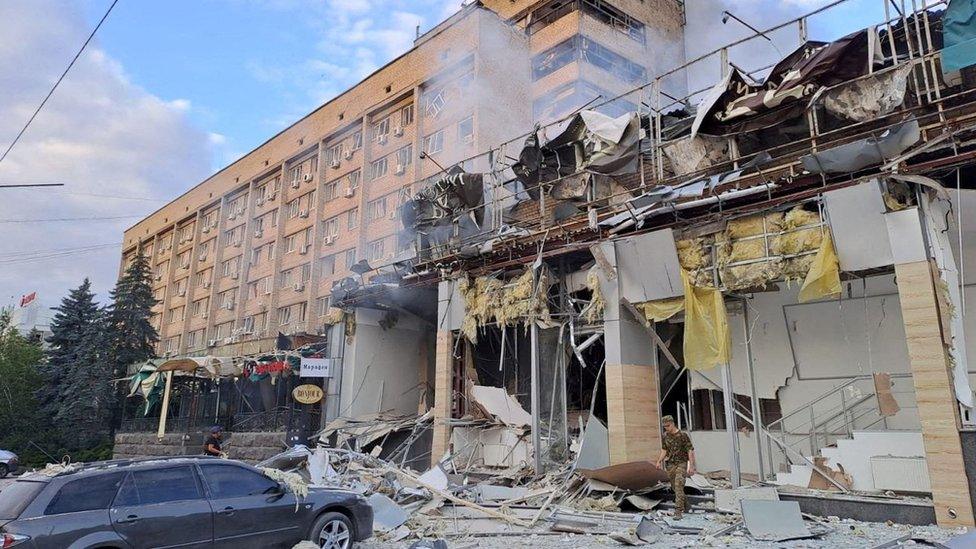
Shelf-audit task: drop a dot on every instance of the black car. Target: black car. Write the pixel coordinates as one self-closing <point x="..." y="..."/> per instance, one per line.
<point x="175" y="502"/>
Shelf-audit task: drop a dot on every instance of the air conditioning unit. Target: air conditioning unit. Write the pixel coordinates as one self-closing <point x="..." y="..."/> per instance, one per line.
<point x="202" y="257"/>
<point x="381" y="138"/>
<point x="258" y="233"/>
<point x="206" y="283"/>
<point x="159" y="277"/>
<point x="234" y="275"/>
<point x="397" y="131"/>
<point x="182" y="293"/>
<point x="400" y="168"/>
<point x="303" y="250"/>
<point x="205" y="315"/>
<point x="212" y="343"/>
<point x="350" y="192"/>
<point x="267" y="291"/>
<point x="330" y="240"/>
<point x="237" y="243"/>
<point x="347" y="155"/>
<point x="393" y="214"/>
<point x="228" y="340"/>
<point x="232" y="215"/>
<point x="260" y="201"/>
<point x="303" y="214"/>
<point x="206" y="229"/>
<point x="300" y="287"/>
<point x="272" y="196"/>
<point x="335" y="164"/>
<point x="229" y="306"/>
<point x="262" y="307"/>
<point x="307" y="177"/>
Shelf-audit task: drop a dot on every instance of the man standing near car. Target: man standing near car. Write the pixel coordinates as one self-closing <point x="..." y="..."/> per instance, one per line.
<point x="678" y="455"/>
<point x="211" y="446"/>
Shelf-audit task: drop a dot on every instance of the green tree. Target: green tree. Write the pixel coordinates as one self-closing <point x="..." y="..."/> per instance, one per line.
<point x="77" y="394"/>
<point x="20" y="422"/>
<point x="131" y="335"/>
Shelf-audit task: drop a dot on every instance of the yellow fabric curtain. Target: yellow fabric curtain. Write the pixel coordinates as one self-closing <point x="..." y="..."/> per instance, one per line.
<point x="823" y="280"/>
<point x="707" y="342"/>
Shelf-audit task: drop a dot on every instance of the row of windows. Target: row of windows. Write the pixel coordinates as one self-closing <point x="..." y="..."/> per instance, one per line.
<point x="586" y="49"/>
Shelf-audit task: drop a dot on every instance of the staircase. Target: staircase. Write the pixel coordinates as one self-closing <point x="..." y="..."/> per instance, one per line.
<point x="876" y="460"/>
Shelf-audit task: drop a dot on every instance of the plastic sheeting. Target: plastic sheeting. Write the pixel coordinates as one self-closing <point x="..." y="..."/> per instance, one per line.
<point x="959" y="33"/>
<point x="707" y="340"/>
<point x="663" y="309"/>
<point x="823" y="280"/>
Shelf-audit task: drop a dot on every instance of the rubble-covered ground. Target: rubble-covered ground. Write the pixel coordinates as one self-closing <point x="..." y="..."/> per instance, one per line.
<point x="843" y="533"/>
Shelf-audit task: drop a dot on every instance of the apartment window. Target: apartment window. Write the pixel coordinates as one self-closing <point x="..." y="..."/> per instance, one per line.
<point x="292" y="208"/>
<point x="183" y="260"/>
<point x="287" y="278"/>
<point x="181" y="285"/>
<point x="284" y="315"/>
<point x="226" y="299"/>
<point x="210" y="219"/>
<point x="258" y="227"/>
<point x="404" y="157"/>
<point x="176" y="314"/>
<point x="231" y="267"/>
<point x="434" y="143"/>
<point x="322" y="305"/>
<point x="434" y="103"/>
<point x="378" y="168"/>
<point x="376" y="250"/>
<point x="203" y="277"/>
<point x="173" y="344"/>
<point x="334" y="154"/>
<point x="357" y="141"/>
<point x="466" y="130"/>
<point x="223" y="331"/>
<point x="260" y="193"/>
<point x="406" y="116"/>
<point x="381" y="129"/>
<point x="330" y="227"/>
<point x="185" y="233"/>
<point x="251" y="291"/>
<point x="195" y="339"/>
<point x="330" y="191"/>
<point x="291" y="242"/>
<point x="350" y="258"/>
<point x="352" y="218"/>
<point x="235" y="207"/>
<point x="255" y="323"/>
<point x="354" y="178"/>
<point x="375" y="209"/>
<point x="327" y="265"/>
<point x="296" y="173"/>
<point x="203" y="249"/>
<point x="200" y="306"/>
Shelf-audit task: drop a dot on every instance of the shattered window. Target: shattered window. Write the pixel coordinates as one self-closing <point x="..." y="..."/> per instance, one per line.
<point x="434" y="103"/>
<point x="350" y="258"/>
<point x="554" y="58"/>
<point x="376" y="250"/>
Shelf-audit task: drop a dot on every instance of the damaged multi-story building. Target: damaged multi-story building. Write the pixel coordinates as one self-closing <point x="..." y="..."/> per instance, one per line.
<point x="778" y="260"/>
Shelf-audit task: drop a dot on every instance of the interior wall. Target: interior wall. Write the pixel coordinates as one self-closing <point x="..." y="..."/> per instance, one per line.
<point x="380" y="370"/>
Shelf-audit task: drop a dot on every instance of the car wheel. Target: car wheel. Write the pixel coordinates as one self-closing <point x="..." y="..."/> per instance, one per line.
<point x="4" y="470"/>
<point x="332" y="531"/>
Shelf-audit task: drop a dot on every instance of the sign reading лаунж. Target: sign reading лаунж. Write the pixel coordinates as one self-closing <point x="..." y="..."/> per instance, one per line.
<point x="316" y="367"/>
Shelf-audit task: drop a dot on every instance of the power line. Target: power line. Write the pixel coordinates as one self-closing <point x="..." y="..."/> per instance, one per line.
<point x="24" y="185"/>
<point x="65" y="73"/>
<point x="54" y="255"/>
<point x="109" y="218"/>
<point x="113" y="196"/>
<point x="26" y="253"/>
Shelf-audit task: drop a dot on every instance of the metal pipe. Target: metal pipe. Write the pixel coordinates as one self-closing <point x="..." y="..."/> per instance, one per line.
<point x="727" y="397"/>
<point x="756" y="411"/>
<point x="534" y="393"/>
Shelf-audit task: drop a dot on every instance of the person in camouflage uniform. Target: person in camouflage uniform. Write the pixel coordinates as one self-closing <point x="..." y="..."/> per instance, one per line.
<point x="678" y="457"/>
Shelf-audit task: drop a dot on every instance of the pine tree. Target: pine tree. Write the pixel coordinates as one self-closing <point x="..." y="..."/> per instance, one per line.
<point x="20" y="423"/>
<point x="76" y="386"/>
<point x="131" y="335"/>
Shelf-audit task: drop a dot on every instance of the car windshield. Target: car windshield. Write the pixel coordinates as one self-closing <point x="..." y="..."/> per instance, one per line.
<point x="14" y="498"/>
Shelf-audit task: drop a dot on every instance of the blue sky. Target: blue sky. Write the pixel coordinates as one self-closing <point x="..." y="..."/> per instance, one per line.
<point x="247" y="68"/>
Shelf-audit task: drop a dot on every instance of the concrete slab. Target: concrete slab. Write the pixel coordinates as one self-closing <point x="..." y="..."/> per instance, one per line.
<point x="774" y="520"/>
<point x="728" y="500"/>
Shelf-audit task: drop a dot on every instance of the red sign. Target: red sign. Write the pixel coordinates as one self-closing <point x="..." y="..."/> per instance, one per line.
<point x="27" y="299"/>
<point x="270" y="367"/>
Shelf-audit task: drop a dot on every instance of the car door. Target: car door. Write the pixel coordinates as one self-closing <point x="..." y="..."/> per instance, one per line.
<point x="250" y="511"/>
<point x="163" y="507"/>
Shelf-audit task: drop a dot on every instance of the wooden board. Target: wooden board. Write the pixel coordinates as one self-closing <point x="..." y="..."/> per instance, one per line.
<point x="632" y="412"/>
<point x="937" y="408"/>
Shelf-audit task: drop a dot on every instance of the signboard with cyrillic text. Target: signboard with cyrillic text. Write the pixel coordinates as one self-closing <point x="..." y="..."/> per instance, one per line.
<point x="316" y="367"/>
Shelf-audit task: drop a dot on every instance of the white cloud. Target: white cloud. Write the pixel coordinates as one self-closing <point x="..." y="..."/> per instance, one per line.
<point x="99" y="134"/>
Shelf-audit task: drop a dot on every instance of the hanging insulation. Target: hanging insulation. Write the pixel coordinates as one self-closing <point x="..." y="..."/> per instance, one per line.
<point x="823" y="280"/>
<point x="707" y="339"/>
<point x="594" y="311"/>
<point x="662" y="309"/>
<point x="490" y="300"/>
